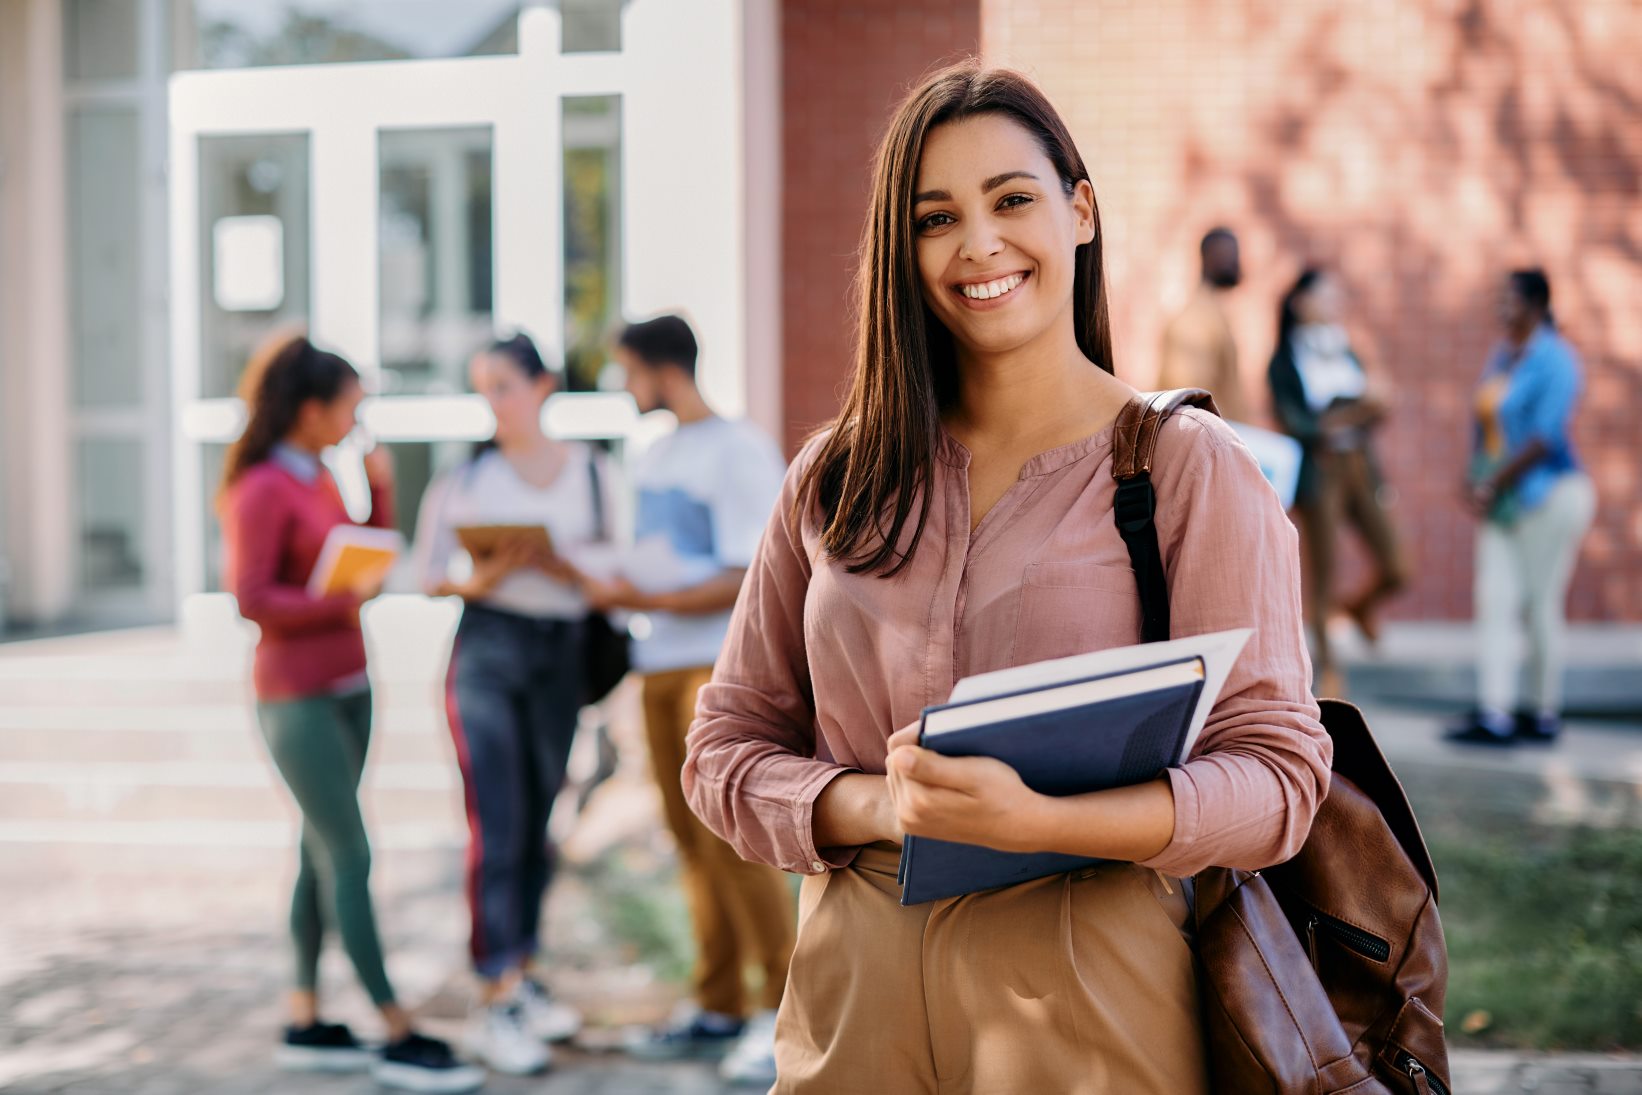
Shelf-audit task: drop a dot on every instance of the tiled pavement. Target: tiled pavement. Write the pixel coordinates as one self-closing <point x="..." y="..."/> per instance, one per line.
<point x="144" y="860"/>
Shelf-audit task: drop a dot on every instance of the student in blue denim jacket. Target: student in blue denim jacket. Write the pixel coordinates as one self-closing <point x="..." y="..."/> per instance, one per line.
<point x="1536" y="503"/>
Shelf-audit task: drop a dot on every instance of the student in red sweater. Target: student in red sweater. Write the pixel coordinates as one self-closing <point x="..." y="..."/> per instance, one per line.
<point x="278" y="503"/>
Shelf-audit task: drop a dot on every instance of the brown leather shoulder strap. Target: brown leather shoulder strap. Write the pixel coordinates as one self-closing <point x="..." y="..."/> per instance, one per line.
<point x="1135" y="504"/>
<point x="1135" y="436"/>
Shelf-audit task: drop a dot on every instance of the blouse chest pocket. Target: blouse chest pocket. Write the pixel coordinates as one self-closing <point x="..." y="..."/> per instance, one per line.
<point x="1071" y="608"/>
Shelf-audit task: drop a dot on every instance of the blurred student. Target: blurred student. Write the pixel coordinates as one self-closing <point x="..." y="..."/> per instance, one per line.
<point x="1198" y="348"/>
<point x="957" y="518"/>
<point x="1323" y="398"/>
<point x="704" y="493"/>
<point x="514" y="687"/>
<point x="1536" y="503"/>
<point x="278" y="503"/>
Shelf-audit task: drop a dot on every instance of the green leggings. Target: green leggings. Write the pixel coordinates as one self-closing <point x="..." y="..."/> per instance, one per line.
<point x="318" y="744"/>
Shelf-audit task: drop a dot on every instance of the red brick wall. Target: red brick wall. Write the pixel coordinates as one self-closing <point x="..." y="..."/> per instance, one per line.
<point x="846" y="64"/>
<point x="1421" y="147"/>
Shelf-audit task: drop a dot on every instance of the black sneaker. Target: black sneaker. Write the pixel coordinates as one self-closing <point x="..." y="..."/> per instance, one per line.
<point x="706" y="1035"/>
<point x="1480" y="728"/>
<point x="419" y="1063"/>
<point x="322" y="1047"/>
<point x="1534" y="728"/>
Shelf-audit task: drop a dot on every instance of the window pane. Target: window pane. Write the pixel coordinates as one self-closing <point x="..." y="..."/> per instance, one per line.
<point x="111" y="514"/>
<point x="253" y="249"/>
<point x="100" y="39"/>
<point x="104" y="221"/>
<point x="592" y="233"/>
<point x="436" y="256"/>
<point x="251" y="33"/>
<point x="590" y="26"/>
<point x="212" y="459"/>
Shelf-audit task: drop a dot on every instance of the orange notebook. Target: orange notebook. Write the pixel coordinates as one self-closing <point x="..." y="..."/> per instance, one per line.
<point x="355" y="558"/>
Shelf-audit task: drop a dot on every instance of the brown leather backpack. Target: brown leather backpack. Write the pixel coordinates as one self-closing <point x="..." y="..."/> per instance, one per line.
<point x="1325" y="974"/>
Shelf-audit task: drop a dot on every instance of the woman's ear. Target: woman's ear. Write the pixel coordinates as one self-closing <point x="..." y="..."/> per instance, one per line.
<point x="1083" y="211"/>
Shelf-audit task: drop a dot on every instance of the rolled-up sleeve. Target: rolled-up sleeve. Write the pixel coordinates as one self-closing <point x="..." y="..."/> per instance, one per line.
<point x="1247" y="795"/>
<point x="1549" y="410"/>
<point x="751" y="773"/>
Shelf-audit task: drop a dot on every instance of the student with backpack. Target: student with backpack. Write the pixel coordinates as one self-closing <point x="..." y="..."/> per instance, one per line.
<point x="515" y="684"/>
<point x="958" y="517"/>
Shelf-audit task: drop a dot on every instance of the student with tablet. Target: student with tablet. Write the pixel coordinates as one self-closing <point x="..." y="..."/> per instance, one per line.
<point x="513" y="516"/>
<point x="279" y="507"/>
<point x="957" y="519"/>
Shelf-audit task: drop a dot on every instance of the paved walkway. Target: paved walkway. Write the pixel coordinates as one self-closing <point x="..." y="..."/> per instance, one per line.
<point x="144" y="855"/>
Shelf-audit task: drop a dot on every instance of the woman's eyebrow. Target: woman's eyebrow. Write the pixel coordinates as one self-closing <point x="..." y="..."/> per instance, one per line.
<point x="986" y="187"/>
<point x="998" y="180"/>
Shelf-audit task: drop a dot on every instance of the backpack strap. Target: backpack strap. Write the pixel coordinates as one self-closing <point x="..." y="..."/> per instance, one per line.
<point x="1134" y="441"/>
<point x="600" y="531"/>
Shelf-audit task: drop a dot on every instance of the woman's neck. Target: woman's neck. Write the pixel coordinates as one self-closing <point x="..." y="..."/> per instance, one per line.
<point x="524" y="447"/>
<point x="1046" y="389"/>
<point x="303" y="444"/>
<point x="1519" y="335"/>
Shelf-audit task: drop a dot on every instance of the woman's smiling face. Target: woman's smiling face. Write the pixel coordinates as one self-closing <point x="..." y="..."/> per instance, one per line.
<point x="995" y="233"/>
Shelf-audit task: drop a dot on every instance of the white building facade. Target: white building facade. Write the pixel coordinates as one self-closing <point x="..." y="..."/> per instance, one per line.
<point x="181" y="178"/>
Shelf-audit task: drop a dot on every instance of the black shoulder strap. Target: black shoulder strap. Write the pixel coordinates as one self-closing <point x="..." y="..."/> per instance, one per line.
<point x="598" y="494"/>
<point x="1134" y="442"/>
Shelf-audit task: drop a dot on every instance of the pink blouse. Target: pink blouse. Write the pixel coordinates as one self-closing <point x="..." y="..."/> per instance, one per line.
<point x="821" y="665"/>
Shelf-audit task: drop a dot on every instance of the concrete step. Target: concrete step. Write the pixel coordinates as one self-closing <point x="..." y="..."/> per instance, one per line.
<point x="210" y="794"/>
<point x="396" y="738"/>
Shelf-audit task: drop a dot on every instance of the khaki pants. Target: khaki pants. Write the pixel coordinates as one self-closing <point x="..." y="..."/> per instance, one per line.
<point x="1522" y="573"/>
<point x="1345" y="492"/>
<point x="741" y="912"/>
<point x="1071" y="984"/>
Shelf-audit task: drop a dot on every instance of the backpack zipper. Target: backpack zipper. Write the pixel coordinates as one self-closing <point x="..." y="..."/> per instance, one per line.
<point x="1356" y="939"/>
<point x="1424" y="1082"/>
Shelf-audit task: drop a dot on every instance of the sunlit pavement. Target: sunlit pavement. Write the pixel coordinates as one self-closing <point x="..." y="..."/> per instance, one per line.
<point x="145" y="855"/>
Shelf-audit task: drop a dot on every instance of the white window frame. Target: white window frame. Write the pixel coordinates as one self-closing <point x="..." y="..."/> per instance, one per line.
<point x="679" y="76"/>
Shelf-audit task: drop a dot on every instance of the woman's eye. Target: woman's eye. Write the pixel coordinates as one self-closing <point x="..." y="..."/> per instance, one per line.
<point x="1016" y="201"/>
<point x="934" y="220"/>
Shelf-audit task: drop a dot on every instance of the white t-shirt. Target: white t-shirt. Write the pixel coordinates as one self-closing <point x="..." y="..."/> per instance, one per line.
<point x="704" y="495"/>
<point x="488" y="491"/>
<point x="1329" y="372"/>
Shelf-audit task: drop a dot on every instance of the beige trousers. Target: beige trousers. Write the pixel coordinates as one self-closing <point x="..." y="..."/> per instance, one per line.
<point x="741" y="912"/>
<point x="1071" y="984"/>
<point x="1523" y="571"/>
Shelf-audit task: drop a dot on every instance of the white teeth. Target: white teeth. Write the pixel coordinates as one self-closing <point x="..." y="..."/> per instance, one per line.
<point x="991" y="289"/>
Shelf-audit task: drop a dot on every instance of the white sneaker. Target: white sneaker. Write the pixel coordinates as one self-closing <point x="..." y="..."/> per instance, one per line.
<point x="548" y="1019"/>
<point x="497" y="1037"/>
<point x="752" y="1059"/>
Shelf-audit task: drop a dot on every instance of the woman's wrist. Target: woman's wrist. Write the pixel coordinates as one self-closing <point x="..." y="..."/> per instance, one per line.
<point x="854" y="809"/>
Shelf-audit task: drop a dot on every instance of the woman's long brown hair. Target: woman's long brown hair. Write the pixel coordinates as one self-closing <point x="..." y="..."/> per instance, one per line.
<point x="877" y="461"/>
<point x="282" y="375"/>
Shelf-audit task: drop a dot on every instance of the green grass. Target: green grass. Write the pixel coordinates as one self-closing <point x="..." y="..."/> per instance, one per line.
<point x="1543" y="920"/>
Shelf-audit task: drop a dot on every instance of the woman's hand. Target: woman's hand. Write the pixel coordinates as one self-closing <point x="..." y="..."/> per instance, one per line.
<point x="602" y="596"/>
<point x="379" y="467"/>
<point x="1480" y="497"/>
<point x="557" y="567"/>
<point x="489" y="570"/>
<point x="973" y="800"/>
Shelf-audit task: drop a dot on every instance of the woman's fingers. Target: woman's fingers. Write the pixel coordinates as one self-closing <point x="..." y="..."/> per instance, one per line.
<point x="925" y="766"/>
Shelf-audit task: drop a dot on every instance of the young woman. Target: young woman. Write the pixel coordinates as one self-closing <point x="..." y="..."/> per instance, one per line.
<point x="1536" y="504"/>
<point x="278" y="503"/>
<point x="1325" y="401"/>
<point x="956" y="519"/>
<point x="514" y="687"/>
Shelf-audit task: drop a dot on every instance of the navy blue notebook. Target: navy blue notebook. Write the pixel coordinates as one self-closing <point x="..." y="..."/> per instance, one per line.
<point x="1067" y="739"/>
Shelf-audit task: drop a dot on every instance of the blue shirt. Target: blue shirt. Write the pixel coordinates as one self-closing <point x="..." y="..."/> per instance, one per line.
<point x="1545" y="381"/>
